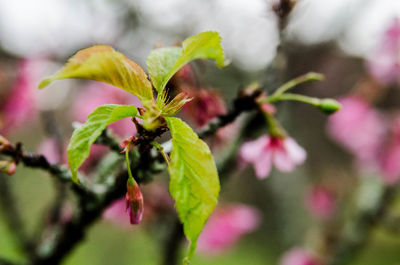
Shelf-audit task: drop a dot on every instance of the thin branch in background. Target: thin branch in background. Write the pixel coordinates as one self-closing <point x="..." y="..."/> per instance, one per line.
<point x="39" y="161"/>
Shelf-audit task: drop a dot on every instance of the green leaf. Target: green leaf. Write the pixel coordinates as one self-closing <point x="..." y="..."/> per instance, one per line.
<point x="102" y="63"/>
<point x="160" y="62"/>
<point x="163" y="63"/>
<point x="84" y="136"/>
<point x="194" y="182"/>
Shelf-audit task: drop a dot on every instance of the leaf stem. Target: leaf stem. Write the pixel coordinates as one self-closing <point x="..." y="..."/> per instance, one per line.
<point x="128" y="164"/>
<point x="316" y="102"/>
<point x="311" y="76"/>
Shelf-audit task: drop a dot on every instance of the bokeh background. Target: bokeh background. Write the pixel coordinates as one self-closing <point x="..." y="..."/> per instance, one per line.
<point x="351" y="158"/>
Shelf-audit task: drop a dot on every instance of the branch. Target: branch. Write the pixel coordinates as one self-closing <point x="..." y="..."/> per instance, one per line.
<point x="72" y="232"/>
<point x="53" y="251"/>
<point x="33" y="160"/>
<point x="243" y="103"/>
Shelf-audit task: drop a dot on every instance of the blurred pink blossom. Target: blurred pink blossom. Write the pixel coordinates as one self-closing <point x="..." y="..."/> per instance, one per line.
<point x="358" y="128"/>
<point x="284" y="153"/>
<point x="20" y="105"/>
<point x="321" y="202"/>
<point x="390" y="164"/>
<point x="96" y="94"/>
<point x="298" y="256"/>
<point x="205" y="105"/>
<point x="225" y="227"/>
<point x="384" y="64"/>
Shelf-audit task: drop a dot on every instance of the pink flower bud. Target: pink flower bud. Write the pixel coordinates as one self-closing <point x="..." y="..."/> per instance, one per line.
<point x="134" y="202"/>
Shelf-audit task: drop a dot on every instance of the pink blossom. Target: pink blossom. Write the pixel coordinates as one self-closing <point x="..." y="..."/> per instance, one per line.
<point x="384" y="64"/>
<point x="20" y="108"/>
<point x="298" y="256"/>
<point x="225" y="227"/>
<point x="390" y="165"/>
<point x="358" y="128"/>
<point x="205" y="105"/>
<point x="284" y="153"/>
<point x="321" y="202"/>
<point x="97" y="94"/>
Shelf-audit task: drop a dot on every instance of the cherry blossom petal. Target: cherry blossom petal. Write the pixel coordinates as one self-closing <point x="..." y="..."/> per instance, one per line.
<point x="263" y="164"/>
<point x="251" y="151"/>
<point x="295" y="151"/>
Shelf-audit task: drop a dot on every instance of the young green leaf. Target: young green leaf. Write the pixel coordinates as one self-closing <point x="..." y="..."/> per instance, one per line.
<point x="160" y="62"/>
<point x="194" y="182"/>
<point x="163" y="63"/>
<point x="84" y="136"/>
<point x="102" y="63"/>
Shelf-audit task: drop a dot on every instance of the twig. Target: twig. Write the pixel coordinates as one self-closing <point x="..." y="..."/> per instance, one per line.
<point x="241" y="104"/>
<point x="39" y="161"/>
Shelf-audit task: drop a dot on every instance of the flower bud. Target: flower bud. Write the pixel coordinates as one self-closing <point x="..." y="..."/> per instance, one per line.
<point x="329" y="106"/>
<point x="134" y="201"/>
<point x="8" y="167"/>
